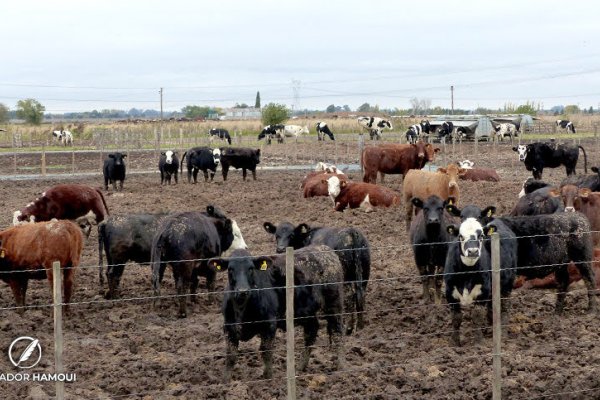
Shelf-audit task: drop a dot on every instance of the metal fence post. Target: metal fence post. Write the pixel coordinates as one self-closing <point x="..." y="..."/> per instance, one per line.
<point x="289" y="324"/>
<point x="58" y="325"/>
<point x="497" y="319"/>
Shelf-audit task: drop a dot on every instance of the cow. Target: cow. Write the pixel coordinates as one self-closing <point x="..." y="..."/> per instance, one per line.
<point x="375" y="125"/>
<point x="315" y="184"/>
<point x="125" y="238"/>
<point x="591" y="182"/>
<point x="461" y="132"/>
<point x="505" y="129"/>
<point x="220" y="133"/>
<point x="468" y="269"/>
<point x="186" y="241"/>
<point x="271" y="132"/>
<point x="586" y="202"/>
<point x="541" y="201"/>
<point x="239" y="157"/>
<point x="359" y="195"/>
<point x="322" y="130"/>
<point x="566" y="125"/>
<point x="538" y="156"/>
<point x="27" y="252"/>
<point x="294" y="130"/>
<point x="465" y="164"/>
<point x="395" y="159"/>
<point x="445" y="130"/>
<point x="201" y="158"/>
<point x="64" y="137"/>
<point x="429" y="241"/>
<point x="328" y="168"/>
<point x="422" y="184"/>
<point x="479" y="174"/>
<point x="531" y="185"/>
<point x="114" y="170"/>
<point x="352" y="248"/>
<point x="65" y="201"/>
<point x="254" y="302"/>
<point x="418" y="131"/>
<point x="168" y="165"/>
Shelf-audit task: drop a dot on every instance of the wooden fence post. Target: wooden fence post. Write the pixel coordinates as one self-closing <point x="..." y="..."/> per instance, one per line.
<point x="361" y="146"/>
<point x="289" y="323"/>
<point x="43" y="161"/>
<point x="58" y="334"/>
<point x="497" y="319"/>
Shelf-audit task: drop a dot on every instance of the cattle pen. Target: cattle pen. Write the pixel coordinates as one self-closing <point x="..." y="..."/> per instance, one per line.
<point x="125" y="349"/>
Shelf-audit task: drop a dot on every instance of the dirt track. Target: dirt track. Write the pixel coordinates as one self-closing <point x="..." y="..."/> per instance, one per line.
<point x="125" y="349"/>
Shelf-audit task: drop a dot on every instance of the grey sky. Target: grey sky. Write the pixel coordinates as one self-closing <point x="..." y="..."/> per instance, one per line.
<point x="83" y="55"/>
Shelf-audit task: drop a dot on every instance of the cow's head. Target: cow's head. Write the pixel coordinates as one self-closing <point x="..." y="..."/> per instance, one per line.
<point x="168" y="156"/>
<point x="522" y="150"/>
<point x="465" y="164"/>
<point x="335" y="186"/>
<point x="286" y="235"/>
<point x="572" y="196"/>
<point x="470" y="237"/>
<point x="216" y="153"/>
<point x="384" y="123"/>
<point x="118" y="158"/>
<point x="433" y="210"/>
<point x="266" y="130"/>
<point x="453" y="172"/>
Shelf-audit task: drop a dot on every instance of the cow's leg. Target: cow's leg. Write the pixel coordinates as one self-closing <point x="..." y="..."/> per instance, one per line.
<point x="225" y="171"/>
<point x="175" y="176"/>
<point x="311" y="327"/>
<point x="68" y="275"/>
<point x="350" y="307"/>
<point x="253" y="173"/>
<point x="105" y="183"/>
<point x="456" y="322"/>
<point x="267" y="341"/>
<point x="232" y="352"/>
<point x="121" y="185"/>
<point x="194" y="281"/>
<point x="181" y="275"/>
<point x="212" y="175"/>
<point x="205" y="172"/>
<point x="244" y="173"/>
<point x="437" y="282"/>
<point x="562" y="281"/>
<point x="18" y="285"/>
<point x="113" y="276"/>
<point x="588" y="275"/>
<point x="211" y="276"/>
<point x="189" y="175"/>
<point x="162" y="177"/>
<point x="382" y="176"/>
<point x="195" y="175"/>
<point x="426" y="295"/>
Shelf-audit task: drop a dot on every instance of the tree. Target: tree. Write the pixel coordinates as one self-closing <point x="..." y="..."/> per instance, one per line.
<point x="346" y="108"/>
<point x="275" y="114"/>
<point x="591" y="110"/>
<point x="527" y="108"/>
<point x="31" y="110"/>
<point x="330" y="108"/>
<point x="196" y="111"/>
<point x="572" y="109"/>
<point x="257" y="101"/>
<point x="366" y="107"/>
<point x="3" y="113"/>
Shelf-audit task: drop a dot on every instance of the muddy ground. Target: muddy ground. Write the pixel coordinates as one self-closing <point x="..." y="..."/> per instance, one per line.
<point x="126" y="349"/>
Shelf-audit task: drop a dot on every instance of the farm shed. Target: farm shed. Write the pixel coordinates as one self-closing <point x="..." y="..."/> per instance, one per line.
<point x="479" y="126"/>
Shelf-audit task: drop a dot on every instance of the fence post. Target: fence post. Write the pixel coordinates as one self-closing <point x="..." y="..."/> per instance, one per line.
<point x="497" y="319"/>
<point x="43" y="161"/>
<point x="289" y="323"/>
<point x="361" y="146"/>
<point x="58" y="336"/>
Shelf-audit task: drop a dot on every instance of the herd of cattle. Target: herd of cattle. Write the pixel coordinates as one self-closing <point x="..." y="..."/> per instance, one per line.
<point x="546" y="233"/>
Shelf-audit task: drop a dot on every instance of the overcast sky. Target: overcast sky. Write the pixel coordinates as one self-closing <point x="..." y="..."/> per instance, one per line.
<point x="84" y="55"/>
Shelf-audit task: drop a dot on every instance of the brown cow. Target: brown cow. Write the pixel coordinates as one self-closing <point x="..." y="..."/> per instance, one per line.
<point x="360" y="195"/>
<point x="422" y="184"/>
<point x="316" y="185"/>
<point x="586" y="202"/>
<point x="311" y="175"/>
<point x="480" y="174"/>
<point x="395" y="159"/>
<point x="33" y="248"/>
<point x="67" y="201"/>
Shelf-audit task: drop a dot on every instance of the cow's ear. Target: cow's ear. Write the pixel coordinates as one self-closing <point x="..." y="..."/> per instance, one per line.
<point x="111" y="156"/>
<point x="270" y="228"/>
<point x="210" y="210"/>
<point x="451" y="200"/>
<point x="595" y="170"/>
<point x="343" y="184"/>
<point x="453" y="210"/>
<point x="489" y="229"/>
<point x="462" y="171"/>
<point x="452" y="230"/>
<point x="488" y="212"/>
<point x="442" y="170"/>
<point x="263" y="263"/>
<point x="124" y="155"/>
<point x="303" y="228"/>
<point x="584" y="193"/>
<point x="437" y="150"/>
<point x="515" y="148"/>
<point x="417" y="202"/>
<point x="258" y="152"/>
<point x="218" y="264"/>
<point x="554" y="192"/>
<point x="162" y="153"/>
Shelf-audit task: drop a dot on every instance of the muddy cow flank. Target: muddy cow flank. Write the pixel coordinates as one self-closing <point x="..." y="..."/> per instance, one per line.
<point x="545" y="200"/>
<point x="201" y="159"/>
<point x="317" y="275"/>
<point x="33" y="248"/>
<point x="537" y="156"/>
<point x="114" y="170"/>
<point x="395" y="159"/>
<point x="359" y="195"/>
<point x="237" y="157"/>
<point x="67" y="201"/>
<point x="168" y="165"/>
<point x="591" y="182"/>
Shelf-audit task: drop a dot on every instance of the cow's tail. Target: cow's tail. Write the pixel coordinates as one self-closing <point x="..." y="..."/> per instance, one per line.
<point x="103" y="201"/>
<point x="584" y="159"/>
<point x="101" y="241"/>
<point x="182" y="158"/>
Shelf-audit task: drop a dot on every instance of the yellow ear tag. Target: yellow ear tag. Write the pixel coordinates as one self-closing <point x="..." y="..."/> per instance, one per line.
<point x="490" y="213"/>
<point x="491" y="230"/>
<point x="450" y="201"/>
<point x="218" y="267"/>
<point x="263" y="266"/>
<point x="2" y="253"/>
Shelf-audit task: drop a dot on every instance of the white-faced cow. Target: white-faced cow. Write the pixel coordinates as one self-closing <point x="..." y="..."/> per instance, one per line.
<point x="538" y="156"/>
<point x="168" y="165"/>
<point x="220" y="133"/>
<point x="201" y="159"/>
<point x="64" y="137"/>
<point x="566" y="125"/>
<point x="322" y="130"/>
<point x="375" y="125"/>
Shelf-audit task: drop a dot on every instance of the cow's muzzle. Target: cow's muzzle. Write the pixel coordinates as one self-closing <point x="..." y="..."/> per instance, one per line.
<point x="569" y="209"/>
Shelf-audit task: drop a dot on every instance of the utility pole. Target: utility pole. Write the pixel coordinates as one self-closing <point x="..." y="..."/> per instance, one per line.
<point x="452" y="98"/>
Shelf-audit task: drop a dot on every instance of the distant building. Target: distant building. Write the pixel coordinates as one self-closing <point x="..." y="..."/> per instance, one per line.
<point x="242" y="113"/>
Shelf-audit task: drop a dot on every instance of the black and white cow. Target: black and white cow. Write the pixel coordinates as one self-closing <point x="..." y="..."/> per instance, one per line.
<point x="322" y="130"/>
<point x="429" y="240"/>
<point x="352" y="248"/>
<point x="467" y="271"/>
<point x="418" y="131"/>
<point x="201" y="159"/>
<point x="445" y="130"/>
<point x="114" y="170"/>
<point x="531" y="185"/>
<point x="254" y="301"/>
<point x="168" y="165"/>
<point x="566" y="125"/>
<point x="538" y="156"/>
<point x="186" y="241"/>
<point x="64" y="137"/>
<point x="505" y="129"/>
<point x="238" y="157"/>
<point x="375" y="125"/>
<point x="220" y="133"/>
<point x="591" y="182"/>
<point x="271" y="132"/>
<point x="294" y="130"/>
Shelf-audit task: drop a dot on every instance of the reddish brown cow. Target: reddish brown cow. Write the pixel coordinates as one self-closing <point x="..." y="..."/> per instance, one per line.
<point x="422" y="184"/>
<point x="360" y="195"/>
<point x="311" y="175"/>
<point x="32" y="248"/>
<point x="316" y="185"/>
<point x="480" y="174"/>
<point x="395" y="159"/>
<point x="586" y="202"/>
<point x="68" y="201"/>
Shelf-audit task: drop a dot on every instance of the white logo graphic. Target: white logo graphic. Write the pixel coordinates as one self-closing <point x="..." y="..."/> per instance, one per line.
<point x="26" y="358"/>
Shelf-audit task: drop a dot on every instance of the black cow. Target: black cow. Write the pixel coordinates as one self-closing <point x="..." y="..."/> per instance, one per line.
<point x="251" y="307"/>
<point x="186" y="241"/>
<point x="541" y="201"/>
<point x="114" y="170"/>
<point x="566" y="125"/>
<point x="201" y="158"/>
<point x="538" y="156"/>
<point x="591" y="182"/>
<point x="322" y="130"/>
<point x="220" y="133"/>
<point x="467" y="271"/>
<point x="445" y="129"/>
<point x="429" y="241"/>
<point x="125" y="238"/>
<point x="353" y="250"/>
<point x="271" y="132"/>
<point x="237" y="157"/>
<point x="531" y="185"/>
<point x="168" y="165"/>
